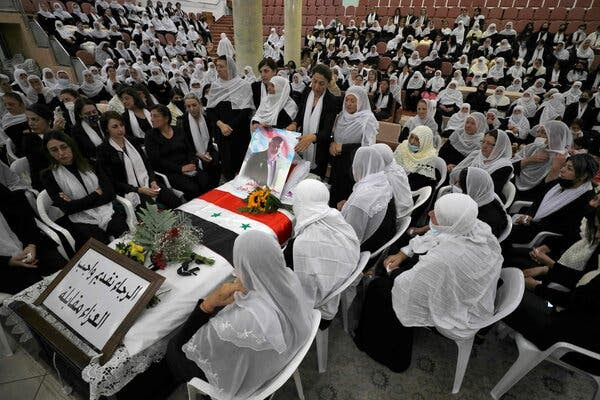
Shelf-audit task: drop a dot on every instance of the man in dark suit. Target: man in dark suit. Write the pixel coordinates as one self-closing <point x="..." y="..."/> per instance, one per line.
<point x="266" y="167"/>
<point x="267" y="68"/>
<point x="581" y="110"/>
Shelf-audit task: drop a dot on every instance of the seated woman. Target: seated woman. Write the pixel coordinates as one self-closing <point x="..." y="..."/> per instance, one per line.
<point x="39" y="118"/>
<point x="82" y="193"/>
<point x="457" y="120"/>
<point x="578" y="305"/>
<point x="477" y="99"/>
<point x="196" y="130"/>
<point x="87" y="132"/>
<point x="93" y="88"/>
<point x="561" y="202"/>
<point x="461" y="252"/>
<point x="356" y="126"/>
<point x="266" y="299"/>
<point x="464" y="141"/>
<point x="494" y="157"/>
<point x="383" y="100"/>
<point x="532" y="163"/>
<point x="370" y="209"/>
<point x="448" y="101"/>
<point x="414" y="86"/>
<point x="417" y="156"/>
<point x="425" y="117"/>
<point x="325" y="249"/>
<point x="136" y="117"/>
<point x="276" y="109"/>
<point x="128" y="168"/>
<point x="14" y="120"/>
<point x="170" y="153"/>
<point x="25" y="254"/>
<point x="397" y="179"/>
<point x="517" y="126"/>
<point x="499" y="101"/>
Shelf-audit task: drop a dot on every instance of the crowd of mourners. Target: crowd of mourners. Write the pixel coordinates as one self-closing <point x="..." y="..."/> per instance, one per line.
<point x="163" y="123"/>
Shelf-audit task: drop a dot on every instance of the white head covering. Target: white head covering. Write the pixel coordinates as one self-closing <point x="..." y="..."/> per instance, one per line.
<point x="457" y="120"/>
<point x="225" y="48"/>
<point x="423" y="161"/>
<point x="428" y="121"/>
<point x="436" y="83"/>
<point x="397" y="179"/>
<point x="480" y="186"/>
<point x="572" y="95"/>
<point x="453" y="286"/>
<point x="272" y="104"/>
<point x="466" y="143"/>
<point x="234" y="90"/>
<point x="519" y="120"/>
<point x="416" y="81"/>
<point x="553" y="108"/>
<point x="261" y="330"/>
<point x="451" y="95"/>
<point x="361" y="126"/>
<point x="91" y="89"/>
<point x="326" y="249"/>
<point x="527" y="100"/>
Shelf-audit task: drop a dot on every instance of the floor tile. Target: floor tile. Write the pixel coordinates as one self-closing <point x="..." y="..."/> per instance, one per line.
<point x="51" y="389"/>
<point x="20" y="390"/>
<point x="19" y="366"/>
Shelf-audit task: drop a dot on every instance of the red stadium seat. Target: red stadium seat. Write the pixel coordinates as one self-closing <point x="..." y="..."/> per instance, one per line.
<point x="384" y="63"/>
<point x="506" y="3"/>
<point x="583" y="3"/>
<point x="381" y="47"/>
<point x="558" y="14"/>
<point x="452" y="14"/>
<point x="593" y="14"/>
<point x="495" y="13"/>
<point x="550" y="3"/>
<point x="566" y="3"/>
<point x="441" y="12"/>
<point x="350" y="10"/>
<point x="452" y="3"/>
<point x="492" y="4"/>
<point x="541" y="14"/>
<point x="535" y="3"/>
<point x="126" y="38"/>
<point x="446" y="69"/>
<point x="520" y="25"/>
<point x="510" y="14"/>
<point x="428" y="3"/>
<point x="86" y="57"/>
<point x="525" y="14"/>
<point x="576" y="14"/>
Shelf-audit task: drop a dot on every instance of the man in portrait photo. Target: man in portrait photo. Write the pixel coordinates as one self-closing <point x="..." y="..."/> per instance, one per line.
<point x="267" y="167"/>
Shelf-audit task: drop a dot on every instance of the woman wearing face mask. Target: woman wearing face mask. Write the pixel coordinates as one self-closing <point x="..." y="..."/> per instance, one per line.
<point x="417" y="155"/>
<point x="136" y="117"/>
<point x="464" y="141"/>
<point x="561" y="203"/>
<point x="277" y="109"/>
<point x="128" y="168"/>
<point x="87" y="132"/>
<point x="533" y="162"/>
<point x="494" y="157"/>
<point x="84" y="194"/>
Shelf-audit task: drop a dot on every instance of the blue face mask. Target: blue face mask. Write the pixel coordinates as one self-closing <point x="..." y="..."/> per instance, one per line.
<point x="456" y="189"/>
<point x="413" y="148"/>
<point x="432" y="228"/>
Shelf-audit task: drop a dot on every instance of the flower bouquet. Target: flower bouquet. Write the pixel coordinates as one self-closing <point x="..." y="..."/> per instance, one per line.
<point x="262" y="201"/>
<point x="164" y="236"/>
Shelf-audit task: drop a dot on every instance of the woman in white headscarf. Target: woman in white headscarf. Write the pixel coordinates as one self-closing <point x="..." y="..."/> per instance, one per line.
<point x="424" y="284"/>
<point x="265" y="321"/>
<point x="425" y="116"/>
<point x="436" y="82"/>
<point x="397" y="179"/>
<point x="515" y="86"/>
<point x="249" y="74"/>
<point x="61" y="14"/>
<point x="479" y="66"/>
<point x="464" y="141"/>
<point x="457" y="76"/>
<point x="552" y="109"/>
<point x="93" y="88"/>
<point x="324" y="251"/>
<point x="356" y="56"/>
<point x="49" y="79"/>
<point x="516" y="70"/>
<point x="496" y="72"/>
<point x="225" y="48"/>
<point x="517" y="126"/>
<point x="538" y="87"/>
<point x="449" y="100"/>
<point x="457" y="120"/>
<point x="459" y="33"/>
<point x="276" y="109"/>
<point x="572" y="95"/>
<point x="229" y="103"/>
<point x="414" y="86"/>
<point x="356" y="126"/>
<point x="21" y="84"/>
<point x="499" y="101"/>
<point x="494" y="157"/>
<point x="417" y="155"/>
<point x="527" y="101"/>
<point x="533" y="162"/>
<point x="370" y="209"/>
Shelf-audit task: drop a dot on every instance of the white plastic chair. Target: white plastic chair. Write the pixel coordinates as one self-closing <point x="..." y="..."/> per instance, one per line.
<point x="178" y="193"/>
<point x="509" y="191"/>
<point x="129" y="211"/>
<point x="198" y="386"/>
<point x="442" y="168"/>
<point x="5" y="349"/>
<point x="507" y="230"/>
<point x="518" y="205"/>
<point x="10" y="150"/>
<point x="21" y="167"/>
<point x="508" y="297"/>
<point x="402" y="227"/>
<point x="530" y="356"/>
<point x="422" y="196"/>
<point x="540" y="237"/>
<point x="443" y="190"/>
<point x="322" y="339"/>
<point x="48" y="214"/>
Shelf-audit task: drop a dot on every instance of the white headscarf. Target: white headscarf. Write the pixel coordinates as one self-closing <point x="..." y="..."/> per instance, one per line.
<point x="453" y="286"/>
<point x="423" y="161"/>
<point x="235" y="90"/>
<point x="466" y="143"/>
<point x="359" y="127"/>
<point x="499" y="158"/>
<point x="91" y="89"/>
<point x="498" y="99"/>
<point x="367" y="205"/>
<point x="326" y="249"/>
<point x="527" y="100"/>
<point x="553" y="108"/>
<point x="451" y="95"/>
<point x="436" y="83"/>
<point x="515" y="86"/>
<point x="428" y="121"/>
<point x="261" y="330"/>
<point x="272" y="104"/>
<point x="416" y="81"/>
<point x="397" y="179"/>
<point x="519" y="121"/>
<point x="457" y="120"/>
<point x="225" y="48"/>
<point x="480" y="186"/>
<point x="572" y="95"/>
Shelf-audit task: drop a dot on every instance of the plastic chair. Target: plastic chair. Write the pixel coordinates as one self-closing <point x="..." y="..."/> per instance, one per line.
<point x="199" y="386"/>
<point x="507" y="230"/>
<point x="508" y="297"/>
<point x="21" y="167"/>
<point x="401" y="228"/>
<point x="442" y="168"/>
<point x="129" y="211"/>
<point x="322" y="338"/>
<point x="178" y="193"/>
<point x="530" y="356"/>
<point x="45" y="209"/>
<point x="10" y="151"/>
<point x="5" y="349"/>
<point x="422" y="196"/>
<point x="509" y="191"/>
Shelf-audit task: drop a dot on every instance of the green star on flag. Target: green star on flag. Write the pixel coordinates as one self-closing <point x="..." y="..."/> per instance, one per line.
<point x="216" y="214"/>
<point x="245" y="226"/>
